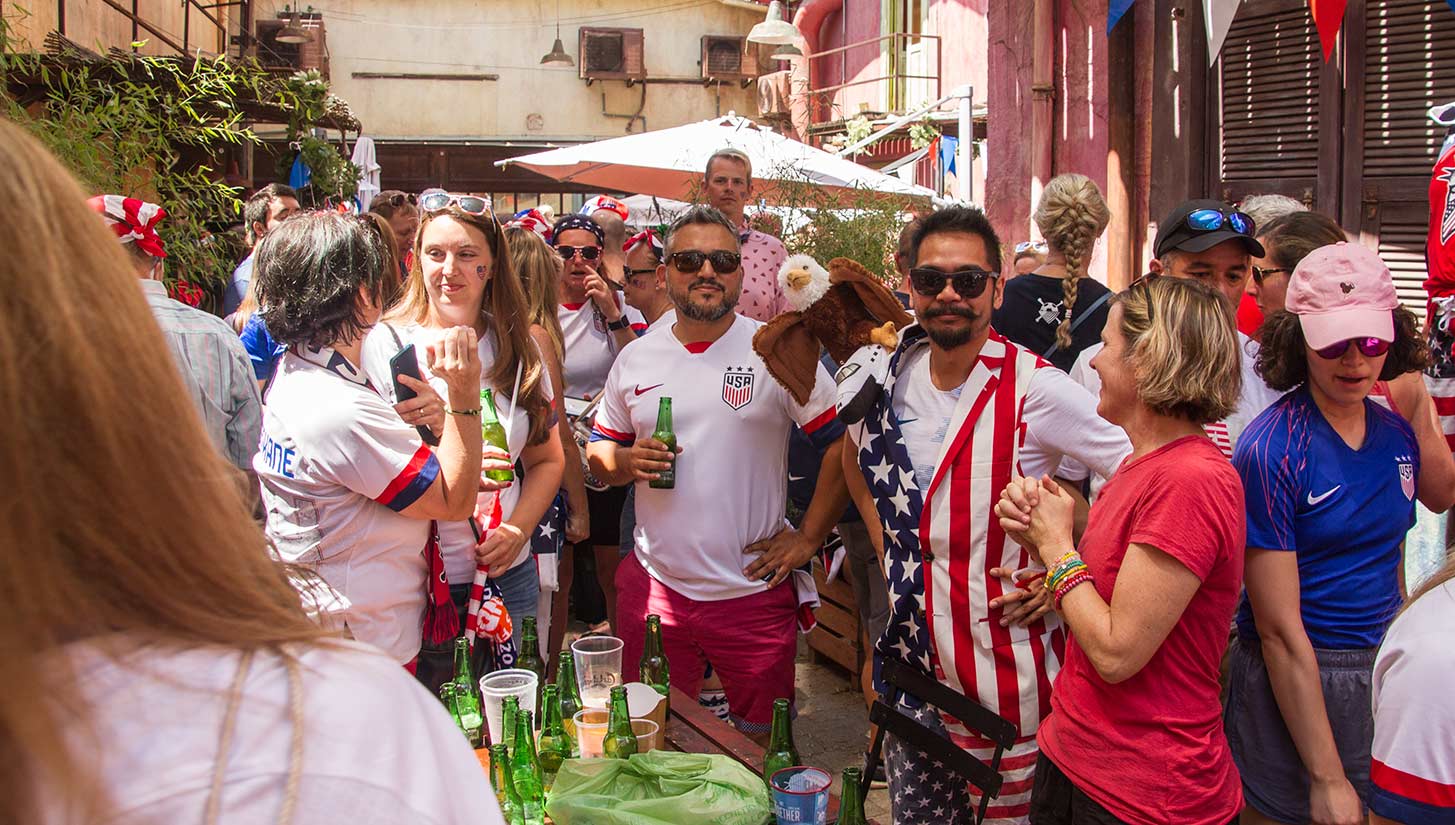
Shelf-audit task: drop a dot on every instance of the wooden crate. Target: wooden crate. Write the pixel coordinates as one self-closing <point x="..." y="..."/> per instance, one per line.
<point x="836" y="638"/>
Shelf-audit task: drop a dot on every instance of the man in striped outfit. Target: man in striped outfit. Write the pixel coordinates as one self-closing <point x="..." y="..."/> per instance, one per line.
<point x="958" y="413"/>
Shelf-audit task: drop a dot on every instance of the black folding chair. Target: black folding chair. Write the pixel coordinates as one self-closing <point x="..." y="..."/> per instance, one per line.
<point x="885" y="713"/>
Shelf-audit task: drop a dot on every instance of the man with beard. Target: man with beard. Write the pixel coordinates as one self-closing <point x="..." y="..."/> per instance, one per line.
<point x="960" y="412"/>
<point x="711" y="554"/>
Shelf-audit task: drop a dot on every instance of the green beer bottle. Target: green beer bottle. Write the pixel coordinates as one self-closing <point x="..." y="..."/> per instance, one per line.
<point x="570" y="691"/>
<point x="447" y="696"/>
<point x="556" y="745"/>
<point x="509" y="709"/>
<point x="467" y="700"/>
<point x="525" y="771"/>
<point x="652" y="668"/>
<point x="529" y="654"/>
<point x="505" y="793"/>
<point x="493" y="434"/>
<point x="620" y="741"/>
<point x="851" y="803"/>
<point x="781" y="752"/>
<point x="666" y="479"/>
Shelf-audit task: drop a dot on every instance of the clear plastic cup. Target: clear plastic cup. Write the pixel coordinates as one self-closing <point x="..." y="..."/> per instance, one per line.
<point x="591" y="725"/>
<point x="598" y="668"/>
<point x="494" y="687"/>
<point x="646" y="731"/>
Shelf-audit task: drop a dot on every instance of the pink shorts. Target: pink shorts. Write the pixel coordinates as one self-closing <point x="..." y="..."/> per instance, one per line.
<point x="751" y="641"/>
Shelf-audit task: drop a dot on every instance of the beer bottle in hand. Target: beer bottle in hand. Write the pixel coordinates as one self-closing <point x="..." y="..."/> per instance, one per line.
<point x="556" y="745"/>
<point x="620" y="741"/>
<point x="570" y="692"/>
<point x="493" y="434"/>
<point x="529" y="657"/>
<point x="666" y="479"/>
<point x="851" y="802"/>
<point x="525" y="771"/>
<point x="652" y="668"/>
<point x="467" y="700"/>
<point x="781" y="752"/>
<point x="505" y="793"/>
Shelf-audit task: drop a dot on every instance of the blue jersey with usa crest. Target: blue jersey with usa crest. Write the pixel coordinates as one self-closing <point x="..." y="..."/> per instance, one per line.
<point x="1344" y="511"/>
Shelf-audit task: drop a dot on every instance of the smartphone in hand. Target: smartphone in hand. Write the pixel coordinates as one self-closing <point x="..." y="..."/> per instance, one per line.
<point x="405" y="362"/>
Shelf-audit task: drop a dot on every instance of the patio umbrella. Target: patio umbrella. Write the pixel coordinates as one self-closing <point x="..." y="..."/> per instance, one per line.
<point x="669" y="163"/>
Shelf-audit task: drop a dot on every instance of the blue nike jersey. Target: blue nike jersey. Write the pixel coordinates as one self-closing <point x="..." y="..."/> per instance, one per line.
<point x="1344" y="511"/>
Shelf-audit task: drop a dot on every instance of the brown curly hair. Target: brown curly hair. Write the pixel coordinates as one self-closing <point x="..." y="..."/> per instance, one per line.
<point x="1283" y="362"/>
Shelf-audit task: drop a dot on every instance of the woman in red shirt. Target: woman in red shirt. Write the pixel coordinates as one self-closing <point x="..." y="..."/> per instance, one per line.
<point x="1135" y="732"/>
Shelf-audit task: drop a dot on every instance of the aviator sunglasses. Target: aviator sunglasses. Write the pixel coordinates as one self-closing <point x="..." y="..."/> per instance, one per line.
<point x="690" y="260"/>
<point x="968" y="283"/>
<point x="1368" y="347"/>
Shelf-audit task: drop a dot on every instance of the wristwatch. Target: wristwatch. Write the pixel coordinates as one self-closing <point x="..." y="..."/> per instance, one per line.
<point x="618" y="324"/>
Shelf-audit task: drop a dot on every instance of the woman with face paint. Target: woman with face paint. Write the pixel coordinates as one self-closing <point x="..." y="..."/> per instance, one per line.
<point x="461" y="275"/>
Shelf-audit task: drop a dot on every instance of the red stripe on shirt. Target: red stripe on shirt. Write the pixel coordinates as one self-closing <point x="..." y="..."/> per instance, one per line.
<point x="1007" y="674"/>
<point x="574" y="307"/>
<point x="406" y="476"/>
<point x="616" y="435"/>
<point x="697" y="347"/>
<point x="819" y="421"/>
<point x="1410" y="786"/>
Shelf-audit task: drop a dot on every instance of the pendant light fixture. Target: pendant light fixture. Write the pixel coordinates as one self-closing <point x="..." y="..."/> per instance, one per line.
<point x="557" y="55"/>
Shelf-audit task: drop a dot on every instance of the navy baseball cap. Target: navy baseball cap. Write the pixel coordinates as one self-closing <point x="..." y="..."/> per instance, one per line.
<point x="1199" y="225"/>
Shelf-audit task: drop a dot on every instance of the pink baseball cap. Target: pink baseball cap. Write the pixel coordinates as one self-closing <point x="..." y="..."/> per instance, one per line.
<point x="1342" y="291"/>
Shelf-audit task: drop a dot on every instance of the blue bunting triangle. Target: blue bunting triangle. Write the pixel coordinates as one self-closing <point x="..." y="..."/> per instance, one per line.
<point x="1116" y="8"/>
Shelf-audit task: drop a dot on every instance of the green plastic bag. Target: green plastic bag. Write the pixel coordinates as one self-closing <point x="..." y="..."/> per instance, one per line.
<point x="659" y="788"/>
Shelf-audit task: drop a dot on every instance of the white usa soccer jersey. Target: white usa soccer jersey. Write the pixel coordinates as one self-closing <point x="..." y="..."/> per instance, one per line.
<point x="732" y="422"/>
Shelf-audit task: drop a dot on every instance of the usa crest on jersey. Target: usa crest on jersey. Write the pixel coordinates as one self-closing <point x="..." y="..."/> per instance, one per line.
<point x="1407" y="479"/>
<point x="737" y="387"/>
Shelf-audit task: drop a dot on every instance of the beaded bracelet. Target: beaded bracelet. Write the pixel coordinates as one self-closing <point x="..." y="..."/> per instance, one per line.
<point x="1063" y="567"/>
<point x="1079" y="577"/>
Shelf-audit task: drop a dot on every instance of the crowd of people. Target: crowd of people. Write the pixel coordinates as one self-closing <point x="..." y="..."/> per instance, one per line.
<point x="1158" y="530"/>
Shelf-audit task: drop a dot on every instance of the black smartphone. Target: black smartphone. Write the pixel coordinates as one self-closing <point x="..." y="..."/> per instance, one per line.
<point x="405" y="362"/>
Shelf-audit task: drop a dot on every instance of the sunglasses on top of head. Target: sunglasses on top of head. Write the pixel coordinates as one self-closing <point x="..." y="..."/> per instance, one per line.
<point x="1209" y="220"/>
<point x="690" y="260"/>
<point x="968" y="283"/>
<point x="469" y="204"/>
<point x="398" y="199"/>
<point x="587" y="253"/>
<point x="1368" y="347"/>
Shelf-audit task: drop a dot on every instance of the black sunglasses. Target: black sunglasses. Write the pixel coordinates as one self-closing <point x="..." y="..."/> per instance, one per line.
<point x="1259" y="273"/>
<point x="691" y="260"/>
<point x="398" y="199"/>
<point x="587" y="253"/>
<point x="632" y="273"/>
<point x="968" y="283"/>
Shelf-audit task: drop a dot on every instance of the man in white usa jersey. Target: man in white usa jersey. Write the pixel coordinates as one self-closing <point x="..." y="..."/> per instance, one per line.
<point x="710" y="555"/>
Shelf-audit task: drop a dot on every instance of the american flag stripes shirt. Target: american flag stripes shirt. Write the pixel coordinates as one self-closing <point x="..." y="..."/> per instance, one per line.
<point x="940" y="544"/>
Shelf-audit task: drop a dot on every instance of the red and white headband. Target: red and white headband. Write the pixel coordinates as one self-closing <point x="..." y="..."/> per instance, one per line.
<point x="133" y="221"/>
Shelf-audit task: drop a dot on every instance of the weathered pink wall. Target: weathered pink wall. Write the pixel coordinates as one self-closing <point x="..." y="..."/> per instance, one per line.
<point x="964" y="30"/>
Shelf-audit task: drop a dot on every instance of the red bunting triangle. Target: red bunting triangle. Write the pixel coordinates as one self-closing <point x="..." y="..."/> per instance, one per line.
<point x="1328" y="17"/>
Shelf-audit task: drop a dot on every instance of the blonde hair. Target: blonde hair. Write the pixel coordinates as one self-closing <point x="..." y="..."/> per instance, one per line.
<point x="1071" y="216"/>
<point x="1183" y="348"/>
<point x="131" y="521"/>
<point x="390" y="287"/>
<point x="539" y="268"/>
<point x="503" y="311"/>
<point x="729" y="153"/>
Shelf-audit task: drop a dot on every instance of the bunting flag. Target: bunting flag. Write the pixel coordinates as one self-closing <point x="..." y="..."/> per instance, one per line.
<point x="1116" y="8"/>
<point x="1218" y="16"/>
<point x="1328" y="17"/>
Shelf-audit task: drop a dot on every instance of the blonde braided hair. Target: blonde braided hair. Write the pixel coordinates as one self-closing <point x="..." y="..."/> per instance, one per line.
<point x="1071" y="216"/>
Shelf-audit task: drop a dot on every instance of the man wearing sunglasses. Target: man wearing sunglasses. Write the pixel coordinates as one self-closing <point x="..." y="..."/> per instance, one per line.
<point x="1208" y="241"/>
<point x="958" y="412"/>
<point x="727" y="186"/>
<point x="712" y="555"/>
<point x="644" y="287"/>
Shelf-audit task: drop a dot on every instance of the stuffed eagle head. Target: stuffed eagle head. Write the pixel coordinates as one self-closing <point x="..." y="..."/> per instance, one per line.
<point x="803" y="281"/>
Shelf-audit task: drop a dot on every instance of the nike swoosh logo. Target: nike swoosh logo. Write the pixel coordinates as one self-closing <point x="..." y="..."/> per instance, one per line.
<point x="792" y="477"/>
<point x="908" y="421"/>
<point x="1313" y="499"/>
<point x="640" y="389"/>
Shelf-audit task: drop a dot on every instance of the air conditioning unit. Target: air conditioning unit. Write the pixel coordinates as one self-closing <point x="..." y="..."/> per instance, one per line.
<point x="727" y="58"/>
<point x="286" y="58"/>
<point x="611" y="54"/>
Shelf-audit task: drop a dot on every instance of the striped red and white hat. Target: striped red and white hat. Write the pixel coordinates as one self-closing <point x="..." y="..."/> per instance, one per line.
<point x="133" y="220"/>
<point x="533" y="220"/>
<point x="608" y="203"/>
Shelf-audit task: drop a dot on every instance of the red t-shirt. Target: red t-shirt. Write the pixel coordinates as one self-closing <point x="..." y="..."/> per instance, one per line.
<point x="1250" y="317"/>
<point x="1151" y="749"/>
<point x="1440" y="243"/>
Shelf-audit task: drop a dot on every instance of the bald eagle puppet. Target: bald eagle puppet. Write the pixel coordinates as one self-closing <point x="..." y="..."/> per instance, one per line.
<point x="841" y="308"/>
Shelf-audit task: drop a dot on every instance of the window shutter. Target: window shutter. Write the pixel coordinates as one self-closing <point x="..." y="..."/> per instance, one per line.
<point x="1409" y="67"/>
<point x="1270" y="96"/>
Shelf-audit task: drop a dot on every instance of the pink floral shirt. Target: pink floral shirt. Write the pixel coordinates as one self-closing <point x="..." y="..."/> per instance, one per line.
<point x="763" y="256"/>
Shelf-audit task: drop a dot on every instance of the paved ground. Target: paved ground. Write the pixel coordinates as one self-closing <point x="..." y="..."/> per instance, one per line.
<point x="831" y="730"/>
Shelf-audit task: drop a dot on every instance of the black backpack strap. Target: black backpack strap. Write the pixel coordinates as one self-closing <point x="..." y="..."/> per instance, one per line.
<point x="1078" y="321"/>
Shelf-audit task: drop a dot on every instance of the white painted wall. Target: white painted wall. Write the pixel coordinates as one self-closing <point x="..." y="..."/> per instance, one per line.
<point x="508" y="38"/>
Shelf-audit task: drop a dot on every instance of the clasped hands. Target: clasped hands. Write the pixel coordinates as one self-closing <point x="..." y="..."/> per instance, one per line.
<point x="1038" y="515"/>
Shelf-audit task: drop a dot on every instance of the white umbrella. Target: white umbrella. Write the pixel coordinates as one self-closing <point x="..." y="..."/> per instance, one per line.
<point x="669" y="163"/>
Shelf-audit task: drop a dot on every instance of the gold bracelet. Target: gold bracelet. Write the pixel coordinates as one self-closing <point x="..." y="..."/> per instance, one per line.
<point x="473" y="412"/>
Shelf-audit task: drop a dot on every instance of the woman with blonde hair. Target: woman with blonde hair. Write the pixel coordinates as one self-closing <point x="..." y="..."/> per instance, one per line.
<point x="462" y="275"/>
<point x="1055" y="310"/>
<point x="190" y="686"/>
<point x="1135" y="731"/>
<point x="539" y="268"/>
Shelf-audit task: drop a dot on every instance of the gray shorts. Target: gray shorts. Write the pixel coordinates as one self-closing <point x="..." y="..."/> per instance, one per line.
<point x="871" y="594"/>
<point x="1274" y="780"/>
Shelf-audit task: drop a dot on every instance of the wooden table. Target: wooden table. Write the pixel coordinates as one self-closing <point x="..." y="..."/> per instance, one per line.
<point x="694" y="729"/>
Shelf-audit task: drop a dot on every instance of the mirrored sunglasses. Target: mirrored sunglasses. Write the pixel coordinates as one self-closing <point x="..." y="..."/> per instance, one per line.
<point x="469" y="204"/>
<point x="1368" y="347"/>
<point x="1209" y="220"/>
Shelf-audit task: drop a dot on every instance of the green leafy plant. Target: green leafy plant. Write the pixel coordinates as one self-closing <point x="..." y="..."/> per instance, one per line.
<point x="922" y="133"/>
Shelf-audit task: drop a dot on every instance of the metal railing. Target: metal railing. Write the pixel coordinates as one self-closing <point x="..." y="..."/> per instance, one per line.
<point x="208" y="19"/>
<point x="897" y="54"/>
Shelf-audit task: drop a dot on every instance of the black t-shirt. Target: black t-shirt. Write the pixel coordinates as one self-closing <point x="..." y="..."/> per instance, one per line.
<point x="1033" y="308"/>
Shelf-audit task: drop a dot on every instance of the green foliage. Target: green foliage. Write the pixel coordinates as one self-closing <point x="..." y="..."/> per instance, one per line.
<point x="922" y="134"/>
<point x="857" y="129"/>
<point x="138" y="126"/>
<point x="333" y="174"/>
